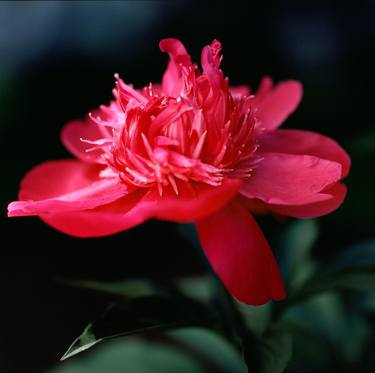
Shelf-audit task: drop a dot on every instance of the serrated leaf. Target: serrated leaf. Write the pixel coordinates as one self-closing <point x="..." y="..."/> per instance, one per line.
<point x="141" y="314"/>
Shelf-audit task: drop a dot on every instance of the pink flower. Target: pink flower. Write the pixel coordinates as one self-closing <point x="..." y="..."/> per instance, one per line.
<point x="192" y="149"/>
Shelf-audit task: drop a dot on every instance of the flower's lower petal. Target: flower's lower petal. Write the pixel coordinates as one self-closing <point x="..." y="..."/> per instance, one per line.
<point x="304" y="142"/>
<point x="194" y="201"/>
<point x="240" y="255"/>
<point x="286" y="179"/>
<point x="190" y="204"/>
<point x="74" y="132"/>
<point x="314" y="210"/>
<point x="278" y="103"/>
<point x="65" y="185"/>
<point x="105" y="220"/>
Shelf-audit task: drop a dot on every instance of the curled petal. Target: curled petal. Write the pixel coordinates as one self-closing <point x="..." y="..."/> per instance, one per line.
<point x="275" y="104"/>
<point x="305" y="142"/>
<point x="240" y="255"/>
<point x="66" y="185"/>
<point x="172" y="79"/>
<point x="285" y="179"/>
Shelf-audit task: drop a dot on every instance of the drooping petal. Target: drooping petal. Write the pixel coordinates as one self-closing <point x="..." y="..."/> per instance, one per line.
<point x="314" y="210"/>
<point x="285" y="179"/>
<point x="277" y="103"/>
<point x="304" y="142"/>
<point x="65" y="185"/>
<point x="190" y="204"/>
<point x="240" y="255"/>
<point x="101" y="221"/>
<point x="172" y="82"/>
<point x="71" y="136"/>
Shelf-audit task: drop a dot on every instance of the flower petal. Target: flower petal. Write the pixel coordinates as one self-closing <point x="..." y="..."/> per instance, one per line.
<point x="136" y="207"/>
<point x="71" y="136"/>
<point x="65" y="185"/>
<point x="277" y="103"/>
<point x="194" y="201"/>
<point x="172" y="79"/>
<point x="240" y="255"/>
<point x="304" y="142"/>
<point x="240" y="90"/>
<point x="285" y="179"/>
<point x="101" y="221"/>
<point x="314" y="210"/>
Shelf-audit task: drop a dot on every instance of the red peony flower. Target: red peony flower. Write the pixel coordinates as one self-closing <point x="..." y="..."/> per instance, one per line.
<point x="192" y="149"/>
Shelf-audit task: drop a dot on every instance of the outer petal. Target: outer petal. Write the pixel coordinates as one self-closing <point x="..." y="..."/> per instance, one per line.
<point x="65" y="185"/>
<point x="240" y="255"/>
<point x="314" y="210"/>
<point x="305" y="142"/>
<point x="172" y="79"/>
<point x="71" y="136"/>
<point x="276" y="104"/>
<point x="285" y="179"/>
<point x="191" y="204"/>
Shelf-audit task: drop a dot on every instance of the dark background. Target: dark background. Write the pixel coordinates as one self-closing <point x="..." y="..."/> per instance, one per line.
<point x="57" y="61"/>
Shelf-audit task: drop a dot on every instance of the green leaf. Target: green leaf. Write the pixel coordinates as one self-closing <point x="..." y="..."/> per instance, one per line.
<point x="132" y="355"/>
<point x="325" y="316"/>
<point x="212" y="348"/>
<point x="137" y="315"/>
<point x="296" y="244"/>
<point x="352" y="269"/>
<point x="185" y="350"/>
<point x="269" y="354"/>
<point x="126" y="288"/>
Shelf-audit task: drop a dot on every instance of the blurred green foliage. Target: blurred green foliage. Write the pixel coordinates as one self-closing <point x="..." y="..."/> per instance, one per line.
<point x="324" y="324"/>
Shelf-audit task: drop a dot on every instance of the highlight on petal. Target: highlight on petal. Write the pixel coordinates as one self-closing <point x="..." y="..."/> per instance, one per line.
<point x="285" y="179"/>
<point x="240" y="255"/>
<point x="74" y="132"/>
<point x="274" y="105"/>
<point x="240" y="91"/>
<point x="143" y="204"/>
<point x="64" y="185"/>
<point x="304" y="142"/>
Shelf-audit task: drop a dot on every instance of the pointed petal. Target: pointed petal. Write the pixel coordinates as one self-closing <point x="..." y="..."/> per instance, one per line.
<point x="240" y="255"/>
<point x="285" y="179"/>
<point x="65" y="185"/>
<point x="277" y="103"/>
<point x="305" y="142"/>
